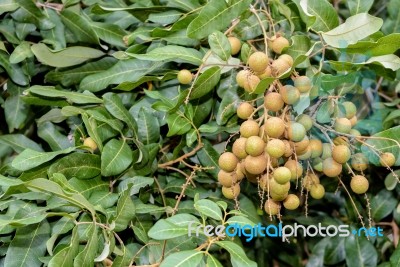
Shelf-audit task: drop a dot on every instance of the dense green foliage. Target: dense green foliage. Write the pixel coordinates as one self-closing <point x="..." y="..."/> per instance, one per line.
<point x="107" y="70"/>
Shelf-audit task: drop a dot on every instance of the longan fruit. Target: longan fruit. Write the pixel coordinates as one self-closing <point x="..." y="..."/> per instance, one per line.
<point x="309" y="180"/>
<point x="239" y="148"/>
<point x="240" y="171"/>
<point x="359" y="184"/>
<point x="271" y="207"/>
<point x="350" y="108"/>
<point x="341" y="153"/>
<point x="342" y="125"/>
<point x="301" y="146"/>
<point x="289" y="60"/>
<point x="185" y="76"/>
<point x="304" y="155"/>
<point x="316" y="148"/>
<point x="277" y="197"/>
<point x="331" y="168"/>
<point x="353" y="120"/>
<point x="267" y="73"/>
<point x="89" y="142"/>
<point x="249" y="128"/>
<point x="228" y="161"/>
<point x="302" y="83"/>
<point x="317" y="191"/>
<point x="244" y="110"/>
<point x="279" y="66"/>
<point x="305" y="120"/>
<point x="317" y="164"/>
<point x="355" y="132"/>
<point x="387" y="159"/>
<point x="273" y="102"/>
<point x="241" y="77"/>
<point x="275" y="148"/>
<point x="235" y="45"/>
<point x="258" y="61"/>
<point x="231" y="192"/>
<point x="290" y="94"/>
<point x="288" y="149"/>
<point x="282" y="175"/>
<point x="250" y="83"/>
<point x="274" y="127"/>
<point x="296" y="169"/>
<point x="278" y="188"/>
<point x="291" y="202"/>
<point x="359" y="162"/>
<point x="278" y="44"/>
<point x="227" y="178"/>
<point x="254" y="146"/>
<point x="255" y="165"/>
<point x="296" y="131"/>
<point x="326" y="151"/>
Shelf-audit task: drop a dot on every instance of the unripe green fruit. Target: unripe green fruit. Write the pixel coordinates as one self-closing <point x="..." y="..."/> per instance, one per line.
<point x="301" y="146"/>
<point x="326" y="151"/>
<point x="316" y="148"/>
<point x="359" y="184"/>
<point x="303" y="84"/>
<point x="245" y="110"/>
<point x="309" y="180"/>
<point x="258" y="61"/>
<point x="228" y="161"/>
<point x="275" y="148"/>
<point x="271" y="207"/>
<point x="279" y="66"/>
<point x="249" y="128"/>
<point x="355" y="132"/>
<point x="279" y="189"/>
<point x="231" y="192"/>
<point x="255" y="165"/>
<point x="296" y="131"/>
<point x="306" y="154"/>
<point x="282" y="175"/>
<point x="359" y="162"/>
<point x="274" y="127"/>
<point x="317" y="191"/>
<point x="291" y="202"/>
<point x="279" y="44"/>
<point x="295" y="168"/>
<point x="331" y="168"/>
<point x="290" y="94"/>
<point x="241" y="77"/>
<point x="89" y="142"/>
<point x="341" y="154"/>
<point x="184" y="76"/>
<point x="250" y="83"/>
<point x="273" y="102"/>
<point x="235" y="45"/>
<point x="306" y="121"/>
<point x="239" y="148"/>
<point x="350" y="108"/>
<point x="387" y="159"/>
<point x="254" y="146"/>
<point x="227" y="178"/>
<point x="277" y="197"/>
<point x="289" y="60"/>
<point x="342" y="125"/>
<point x="317" y="164"/>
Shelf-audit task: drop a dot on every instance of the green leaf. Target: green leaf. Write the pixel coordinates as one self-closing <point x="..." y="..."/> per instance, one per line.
<point x="28" y="245"/>
<point x="13" y="70"/>
<point x="240" y="220"/>
<point x="20" y="53"/>
<point x="137" y="182"/>
<point x="392" y="22"/>
<point x="86" y="257"/>
<point x="74" y="97"/>
<point x="354" y="29"/>
<point x="79" y="26"/>
<point x="65" y="257"/>
<point x="360" y="252"/>
<point x="323" y="114"/>
<point x="320" y="14"/>
<point x="16" y="112"/>
<point x="208" y="208"/>
<point x="215" y="15"/>
<point x="208" y="157"/>
<point x="395" y="258"/>
<point x="391" y="181"/>
<point x="125" y="211"/>
<point x="57" y="141"/>
<point x="7" y="5"/>
<point x="164" y="229"/>
<point x="189" y="258"/>
<point x="178" y="124"/>
<point x="220" y="45"/>
<point x="109" y="33"/>
<point x="19" y="142"/>
<point x="173" y="53"/>
<point x="206" y="82"/>
<point x="213" y="262"/>
<point x="359" y="6"/>
<point x="29" y="158"/>
<point x="238" y="257"/>
<point x="388" y="61"/>
<point x="38" y="17"/>
<point x="116" y="157"/>
<point x="67" y="57"/>
<point x="148" y="127"/>
<point x="166" y="17"/>
<point x="382" y="204"/>
<point x="78" y="165"/>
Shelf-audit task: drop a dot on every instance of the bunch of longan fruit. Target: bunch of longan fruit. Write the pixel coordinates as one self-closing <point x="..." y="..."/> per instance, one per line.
<point x="276" y="149"/>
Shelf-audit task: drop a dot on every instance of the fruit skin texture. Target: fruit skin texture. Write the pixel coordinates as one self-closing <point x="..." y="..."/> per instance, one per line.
<point x="353" y="120"/>
<point x="289" y="60"/>
<point x="265" y="73"/>
<point x="227" y="178"/>
<point x="279" y="44"/>
<point x="387" y="159"/>
<point x="303" y="84"/>
<point x="341" y="153"/>
<point x="250" y="83"/>
<point x="273" y="102"/>
<point x="316" y="148"/>
<point x="278" y="189"/>
<point x="241" y="77"/>
<point x="359" y="184"/>
<point x="279" y="66"/>
<point x="301" y="147"/>
<point x="290" y="94"/>
<point x="331" y="168"/>
<point x="359" y="162"/>
<point x="306" y="121"/>
<point x="249" y="128"/>
<point x="326" y="151"/>
<point x="235" y="45"/>
<point x="231" y="192"/>
<point x="291" y="202"/>
<point x="309" y="180"/>
<point x="317" y="191"/>
<point x="350" y="108"/>
<point x="295" y="168"/>
<point x="282" y="175"/>
<point x="342" y="125"/>
<point x="228" y="161"/>
<point x="89" y="142"/>
<point x="254" y="146"/>
<point x="271" y="207"/>
<point x="296" y="131"/>
<point x="184" y="76"/>
<point x="275" y="148"/>
<point x="239" y="148"/>
<point x="274" y="127"/>
<point x="258" y="61"/>
<point x="244" y="110"/>
<point x="255" y="165"/>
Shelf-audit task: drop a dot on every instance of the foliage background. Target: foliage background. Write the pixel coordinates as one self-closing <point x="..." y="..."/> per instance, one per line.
<point x="107" y="69"/>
